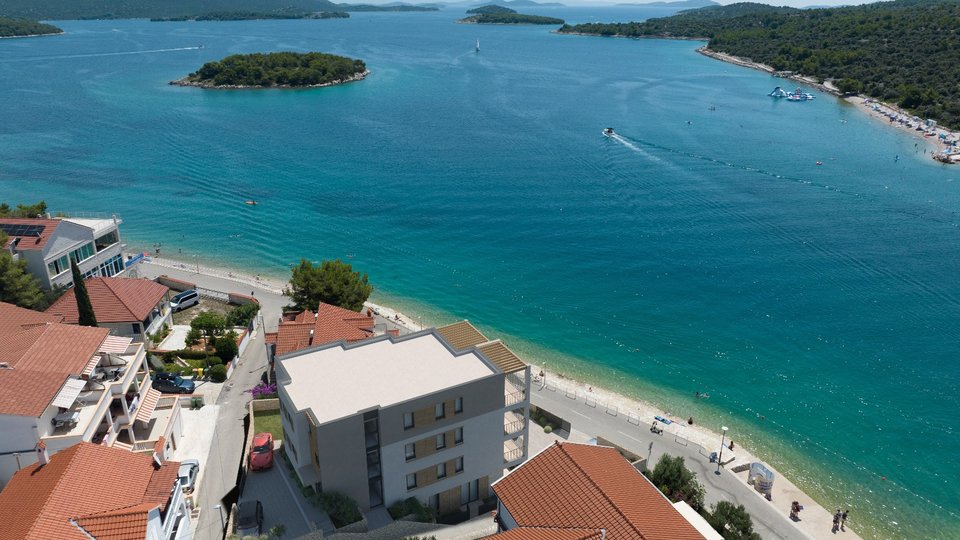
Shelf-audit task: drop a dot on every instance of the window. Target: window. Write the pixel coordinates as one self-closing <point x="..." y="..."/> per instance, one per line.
<point x="441" y="470"/>
<point x="410" y="450"/>
<point x="411" y="481"/>
<point x="439" y="411"/>
<point x="435" y="501"/>
<point x="58" y="266"/>
<point x="458" y="405"/>
<point x="458" y="436"/>
<point x="459" y="465"/>
<point x="82" y="253"/>
<point x="408" y="420"/>
<point x="106" y="240"/>
<point x="441" y="441"/>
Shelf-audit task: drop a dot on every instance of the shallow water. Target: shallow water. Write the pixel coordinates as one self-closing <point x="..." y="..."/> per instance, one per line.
<point x="699" y="250"/>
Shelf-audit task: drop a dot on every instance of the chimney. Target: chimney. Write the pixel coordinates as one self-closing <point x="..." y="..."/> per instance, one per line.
<point x="603" y="534"/>
<point x="156" y="462"/>
<point x="42" y="456"/>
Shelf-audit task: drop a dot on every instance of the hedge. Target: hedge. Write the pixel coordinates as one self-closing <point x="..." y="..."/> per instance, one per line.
<point x="218" y="373"/>
<point x="341" y="508"/>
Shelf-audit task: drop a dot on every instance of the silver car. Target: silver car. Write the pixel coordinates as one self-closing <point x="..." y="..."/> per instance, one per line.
<point x="189" y="469"/>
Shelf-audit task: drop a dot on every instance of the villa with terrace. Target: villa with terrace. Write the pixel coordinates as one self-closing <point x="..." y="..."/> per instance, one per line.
<point x="301" y="329"/>
<point x="90" y="491"/>
<point x="128" y="307"/>
<point x="48" y="246"/>
<point x="437" y="415"/>
<point x="64" y="384"/>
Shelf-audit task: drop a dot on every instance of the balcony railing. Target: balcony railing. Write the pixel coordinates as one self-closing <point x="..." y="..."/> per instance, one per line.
<point x="510" y="428"/>
<point x="512" y="398"/>
<point x="513" y="455"/>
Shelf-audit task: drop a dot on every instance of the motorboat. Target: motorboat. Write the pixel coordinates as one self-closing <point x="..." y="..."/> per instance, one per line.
<point x="800" y="95"/>
<point x="608" y="132"/>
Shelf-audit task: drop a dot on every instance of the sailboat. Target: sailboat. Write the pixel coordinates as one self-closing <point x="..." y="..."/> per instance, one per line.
<point x="478" y="45"/>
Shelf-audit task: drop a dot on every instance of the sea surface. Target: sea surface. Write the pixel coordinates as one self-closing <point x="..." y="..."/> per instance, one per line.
<point x="703" y="249"/>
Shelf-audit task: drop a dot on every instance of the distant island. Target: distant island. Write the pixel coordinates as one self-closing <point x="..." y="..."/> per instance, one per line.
<point x="252" y="16"/>
<point x="24" y="28"/>
<point x="899" y="52"/>
<point x="684" y="4"/>
<point x="170" y="9"/>
<point x="276" y="70"/>
<point x="493" y="14"/>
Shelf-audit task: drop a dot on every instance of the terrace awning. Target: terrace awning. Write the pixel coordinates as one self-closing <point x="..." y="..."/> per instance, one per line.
<point x="148" y="405"/>
<point x="68" y="393"/>
<point x="115" y="344"/>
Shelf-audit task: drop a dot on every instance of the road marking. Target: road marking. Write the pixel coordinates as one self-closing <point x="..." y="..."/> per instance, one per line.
<point x="629" y="436"/>
<point x="581" y="414"/>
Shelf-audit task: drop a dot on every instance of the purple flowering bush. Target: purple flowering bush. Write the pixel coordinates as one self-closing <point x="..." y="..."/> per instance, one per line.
<point x="264" y="391"/>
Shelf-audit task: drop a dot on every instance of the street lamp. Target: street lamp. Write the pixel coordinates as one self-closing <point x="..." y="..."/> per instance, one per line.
<point x="722" y="440"/>
<point x="223" y="524"/>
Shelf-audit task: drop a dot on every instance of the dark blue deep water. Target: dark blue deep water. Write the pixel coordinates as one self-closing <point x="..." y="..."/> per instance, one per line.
<point x="704" y="250"/>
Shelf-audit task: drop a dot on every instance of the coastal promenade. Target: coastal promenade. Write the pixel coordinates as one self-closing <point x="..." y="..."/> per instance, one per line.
<point x="630" y="431"/>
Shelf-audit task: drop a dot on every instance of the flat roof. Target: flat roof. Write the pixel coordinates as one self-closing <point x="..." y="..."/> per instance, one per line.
<point x="340" y="380"/>
<point x="98" y="225"/>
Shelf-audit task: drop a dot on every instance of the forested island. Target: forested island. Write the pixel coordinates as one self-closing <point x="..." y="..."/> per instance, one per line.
<point x="510" y="17"/>
<point x="276" y="70"/>
<point x="489" y="8"/>
<point x="252" y="16"/>
<point x="24" y="28"/>
<point x="395" y="7"/>
<point x="901" y="52"/>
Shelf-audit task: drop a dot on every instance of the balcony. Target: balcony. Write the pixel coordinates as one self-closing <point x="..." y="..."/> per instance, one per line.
<point x="513" y="452"/>
<point x="513" y="424"/>
<point x="142" y="435"/>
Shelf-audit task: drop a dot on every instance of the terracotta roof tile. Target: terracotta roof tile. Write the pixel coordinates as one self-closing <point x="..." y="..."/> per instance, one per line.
<point x="40" y="355"/>
<point x="31" y="243"/>
<point x="329" y="323"/>
<point x="115" y="300"/>
<point x="86" y="483"/>
<point x="590" y="487"/>
<point x="121" y="524"/>
<point x="462" y="335"/>
<point x="548" y="533"/>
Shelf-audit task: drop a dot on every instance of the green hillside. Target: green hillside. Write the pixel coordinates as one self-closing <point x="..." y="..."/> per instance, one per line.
<point x="905" y="51"/>
<point x="21" y="27"/>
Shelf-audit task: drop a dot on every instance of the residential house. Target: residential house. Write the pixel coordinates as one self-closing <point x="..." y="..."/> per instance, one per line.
<point x="90" y="491"/>
<point x="64" y="384"/>
<point x="581" y="491"/>
<point x="126" y="306"/>
<point x="48" y="246"/>
<point x="302" y="329"/>
<point x="437" y="415"/>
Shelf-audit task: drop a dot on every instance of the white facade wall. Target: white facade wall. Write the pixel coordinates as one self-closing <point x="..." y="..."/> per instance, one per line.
<point x="19" y="435"/>
<point x="68" y="237"/>
<point x="482" y="452"/>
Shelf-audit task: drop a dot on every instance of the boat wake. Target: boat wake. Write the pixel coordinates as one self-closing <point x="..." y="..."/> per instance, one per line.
<point x="620" y="139"/>
<point x="94" y="55"/>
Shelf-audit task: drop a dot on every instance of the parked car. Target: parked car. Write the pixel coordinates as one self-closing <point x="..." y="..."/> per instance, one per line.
<point x="249" y="518"/>
<point x="171" y="383"/>
<point x="184" y="300"/>
<point x="261" y="456"/>
<point x="189" y="468"/>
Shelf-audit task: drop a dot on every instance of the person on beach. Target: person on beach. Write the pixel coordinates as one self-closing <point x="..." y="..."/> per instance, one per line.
<point x="690" y="420"/>
<point x="836" y="521"/>
<point x="731" y="444"/>
<point x="843" y="520"/>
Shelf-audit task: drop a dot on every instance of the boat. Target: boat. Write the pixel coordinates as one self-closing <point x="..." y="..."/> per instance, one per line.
<point x="478" y="45"/>
<point x="800" y="95"/>
<point x="608" y="132"/>
<point x="251" y="203"/>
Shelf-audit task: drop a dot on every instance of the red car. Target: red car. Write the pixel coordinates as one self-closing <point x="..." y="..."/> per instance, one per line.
<point x="261" y="457"/>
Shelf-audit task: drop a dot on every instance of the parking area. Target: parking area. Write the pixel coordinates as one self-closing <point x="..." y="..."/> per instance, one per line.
<point x="283" y="502"/>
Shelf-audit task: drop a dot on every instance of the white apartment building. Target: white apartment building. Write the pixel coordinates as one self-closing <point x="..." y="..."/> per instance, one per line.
<point x="48" y="245"/>
<point x="437" y="415"/>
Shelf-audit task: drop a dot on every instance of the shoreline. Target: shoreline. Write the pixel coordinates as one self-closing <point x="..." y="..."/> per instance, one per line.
<point x="816" y="518"/>
<point x="897" y="117"/>
<point x="209" y="86"/>
<point x="60" y="33"/>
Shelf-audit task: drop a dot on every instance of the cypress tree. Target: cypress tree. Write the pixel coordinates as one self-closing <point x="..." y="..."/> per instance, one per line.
<point x="84" y="307"/>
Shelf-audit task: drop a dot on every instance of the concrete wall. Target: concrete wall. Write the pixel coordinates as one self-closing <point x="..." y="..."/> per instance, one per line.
<point x="341" y="447"/>
<point x="176" y="284"/>
<point x="18" y="436"/>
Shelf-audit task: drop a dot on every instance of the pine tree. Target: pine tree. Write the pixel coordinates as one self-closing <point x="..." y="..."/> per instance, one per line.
<point x="84" y="307"/>
<point x="17" y="285"/>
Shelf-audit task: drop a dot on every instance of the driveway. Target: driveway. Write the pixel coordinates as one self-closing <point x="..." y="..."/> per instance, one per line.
<point x="282" y="502"/>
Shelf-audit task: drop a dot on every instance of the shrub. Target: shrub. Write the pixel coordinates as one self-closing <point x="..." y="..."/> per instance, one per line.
<point x="226" y="348"/>
<point x="210" y="323"/>
<point x="412" y="506"/>
<point x="341" y="508"/>
<point x="176" y="368"/>
<point x="242" y="315"/>
<point x="193" y="337"/>
<point x="218" y="373"/>
<point x="677" y="482"/>
<point x="455" y="517"/>
<point x="548" y="428"/>
<point x="264" y="391"/>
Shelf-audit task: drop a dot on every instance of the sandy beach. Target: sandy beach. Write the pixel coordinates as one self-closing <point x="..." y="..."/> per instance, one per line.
<point x="940" y="141"/>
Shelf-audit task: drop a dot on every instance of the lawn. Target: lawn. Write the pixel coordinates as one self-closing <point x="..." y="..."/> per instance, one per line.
<point x="268" y="421"/>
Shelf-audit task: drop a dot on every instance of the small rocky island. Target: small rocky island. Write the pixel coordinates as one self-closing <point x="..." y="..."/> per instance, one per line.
<point x="25" y="28"/>
<point x="276" y="70"/>
<point x="494" y="14"/>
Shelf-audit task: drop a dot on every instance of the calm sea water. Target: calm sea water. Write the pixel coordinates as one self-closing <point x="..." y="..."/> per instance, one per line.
<point x="704" y="250"/>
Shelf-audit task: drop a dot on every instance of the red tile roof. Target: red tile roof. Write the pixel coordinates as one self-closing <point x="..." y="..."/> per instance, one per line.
<point x="39" y="356"/>
<point x="579" y="486"/>
<point x="115" y="300"/>
<point x="31" y="243"/>
<point x="106" y="489"/>
<point x="329" y="323"/>
<point x="547" y="533"/>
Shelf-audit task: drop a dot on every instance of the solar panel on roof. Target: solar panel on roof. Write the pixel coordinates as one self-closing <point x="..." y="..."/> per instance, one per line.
<point x="18" y="229"/>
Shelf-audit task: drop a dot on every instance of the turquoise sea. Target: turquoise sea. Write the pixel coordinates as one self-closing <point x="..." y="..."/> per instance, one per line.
<point x="704" y="250"/>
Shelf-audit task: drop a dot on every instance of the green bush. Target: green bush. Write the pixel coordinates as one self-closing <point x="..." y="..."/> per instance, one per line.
<point x="341" y="508"/>
<point x="242" y="315"/>
<point x="218" y="373"/>
<point x="193" y="337"/>
<point x="176" y="368"/>
<point x="226" y="347"/>
<point x="548" y="428"/>
<point x="412" y="506"/>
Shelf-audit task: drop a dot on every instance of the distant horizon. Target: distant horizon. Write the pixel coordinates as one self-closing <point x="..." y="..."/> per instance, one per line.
<point x="609" y="3"/>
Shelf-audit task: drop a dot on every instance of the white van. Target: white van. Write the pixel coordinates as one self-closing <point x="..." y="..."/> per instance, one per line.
<point x="184" y="300"/>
